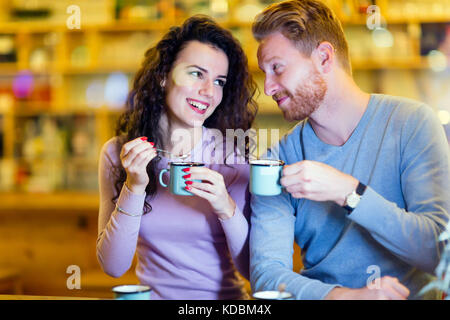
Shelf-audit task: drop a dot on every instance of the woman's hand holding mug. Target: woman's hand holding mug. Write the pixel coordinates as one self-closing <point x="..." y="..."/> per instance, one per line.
<point x="135" y="156"/>
<point x="212" y="188"/>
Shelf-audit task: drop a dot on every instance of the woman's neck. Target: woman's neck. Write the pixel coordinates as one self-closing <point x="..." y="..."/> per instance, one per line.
<point x="179" y="138"/>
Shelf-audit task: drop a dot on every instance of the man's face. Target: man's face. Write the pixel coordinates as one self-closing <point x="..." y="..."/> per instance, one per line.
<point x="290" y="78"/>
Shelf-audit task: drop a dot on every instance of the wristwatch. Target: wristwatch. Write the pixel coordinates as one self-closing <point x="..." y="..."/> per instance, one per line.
<point x="352" y="200"/>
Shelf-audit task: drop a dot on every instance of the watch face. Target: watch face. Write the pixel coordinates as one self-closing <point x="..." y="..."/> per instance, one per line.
<point x="353" y="200"/>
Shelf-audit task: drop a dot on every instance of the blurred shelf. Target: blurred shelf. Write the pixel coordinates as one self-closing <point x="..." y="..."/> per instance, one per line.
<point x="358" y="63"/>
<point x="58" y="202"/>
<point x="124" y="25"/>
<point x="32" y="109"/>
<point x="104" y="68"/>
<point x="8" y="68"/>
<point x="389" y="63"/>
<point x="66" y="159"/>
<point x="31" y="27"/>
<point x="362" y="20"/>
<point x="11" y="69"/>
<point x="415" y="63"/>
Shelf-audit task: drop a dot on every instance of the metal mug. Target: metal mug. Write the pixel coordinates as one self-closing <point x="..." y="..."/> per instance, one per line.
<point x="265" y="177"/>
<point x="177" y="183"/>
<point x="132" y="292"/>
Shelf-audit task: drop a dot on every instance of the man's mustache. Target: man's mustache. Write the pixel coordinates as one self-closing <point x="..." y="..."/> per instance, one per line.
<point x="277" y="96"/>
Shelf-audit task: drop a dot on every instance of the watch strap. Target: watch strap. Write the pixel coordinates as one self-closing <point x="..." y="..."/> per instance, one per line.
<point x="360" y="189"/>
<point x="348" y="208"/>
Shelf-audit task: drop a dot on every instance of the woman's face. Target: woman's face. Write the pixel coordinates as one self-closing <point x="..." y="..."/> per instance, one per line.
<point x="194" y="86"/>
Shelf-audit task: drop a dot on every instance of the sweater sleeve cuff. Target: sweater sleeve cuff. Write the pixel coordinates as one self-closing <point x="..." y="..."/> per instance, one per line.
<point x="236" y="222"/>
<point x="366" y="206"/>
<point x="131" y="202"/>
<point x="316" y="290"/>
<point x="327" y="289"/>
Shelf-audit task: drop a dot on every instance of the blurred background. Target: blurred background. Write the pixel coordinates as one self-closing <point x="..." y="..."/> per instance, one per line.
<point x="66" y="68"/>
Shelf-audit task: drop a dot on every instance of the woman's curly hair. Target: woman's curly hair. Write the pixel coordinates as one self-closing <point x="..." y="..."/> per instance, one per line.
<point x="146" y="101"/>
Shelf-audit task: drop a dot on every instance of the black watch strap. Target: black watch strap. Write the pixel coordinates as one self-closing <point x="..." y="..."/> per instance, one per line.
<point x="348" y="208"/>
<point x="360" y="188"/>
<point x="359" y="191"/>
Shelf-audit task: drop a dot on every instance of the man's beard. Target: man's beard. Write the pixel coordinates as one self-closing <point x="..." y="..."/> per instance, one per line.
<point x="307" y="98"/>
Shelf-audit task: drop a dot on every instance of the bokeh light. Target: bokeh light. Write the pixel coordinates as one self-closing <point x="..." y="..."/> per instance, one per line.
<point x="444" y="117"/>
<point x="6" y="102"/>
<point x="23" y="84"/>
<point x="437" y="61"/>
<point x="80" y="56"/>
<point x="116" y="90"/>
<point x="382" y="38"/>
<point x="94" y="94"/>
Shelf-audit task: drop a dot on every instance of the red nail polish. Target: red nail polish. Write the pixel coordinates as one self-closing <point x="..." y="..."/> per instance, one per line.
<point x="188" y="188"/>
<point x="151" y="143"/>
<point x="186" y="169"/>
<point x="144" y="138"/>
<point x="187" y="176"/>
<point x="189" y="182"/>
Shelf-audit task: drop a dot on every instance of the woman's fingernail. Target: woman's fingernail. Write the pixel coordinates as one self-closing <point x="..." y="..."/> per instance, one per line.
<point x="152" y="143"/>
<point x="187" y="176"/>
<point x="186" y="169"/>
<point x="144" y="138"/>
<point x="188" y="188"/>
<point x="189" y="182"/>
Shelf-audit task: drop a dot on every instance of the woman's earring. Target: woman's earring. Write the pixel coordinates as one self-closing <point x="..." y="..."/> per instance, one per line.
<point x="162" y="83"/>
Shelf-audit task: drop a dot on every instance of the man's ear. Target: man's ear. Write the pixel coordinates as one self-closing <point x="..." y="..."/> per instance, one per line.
<point x="324" y="56"/>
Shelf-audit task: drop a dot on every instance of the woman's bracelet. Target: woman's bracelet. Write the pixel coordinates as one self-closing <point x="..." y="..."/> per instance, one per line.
<point x="119" y="209"/>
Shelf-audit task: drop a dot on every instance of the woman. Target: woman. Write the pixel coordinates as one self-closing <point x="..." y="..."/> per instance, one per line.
<point x="196" y="81"/>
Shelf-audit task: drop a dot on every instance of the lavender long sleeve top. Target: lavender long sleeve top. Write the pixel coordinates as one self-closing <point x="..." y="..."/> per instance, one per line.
<point x="183" y="250"/>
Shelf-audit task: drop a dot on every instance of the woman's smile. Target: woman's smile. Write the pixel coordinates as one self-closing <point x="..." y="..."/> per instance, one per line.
<point x="197" y="105"/>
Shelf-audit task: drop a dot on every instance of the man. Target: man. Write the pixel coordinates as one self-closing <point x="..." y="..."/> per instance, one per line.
<point x="366" y="177"/>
